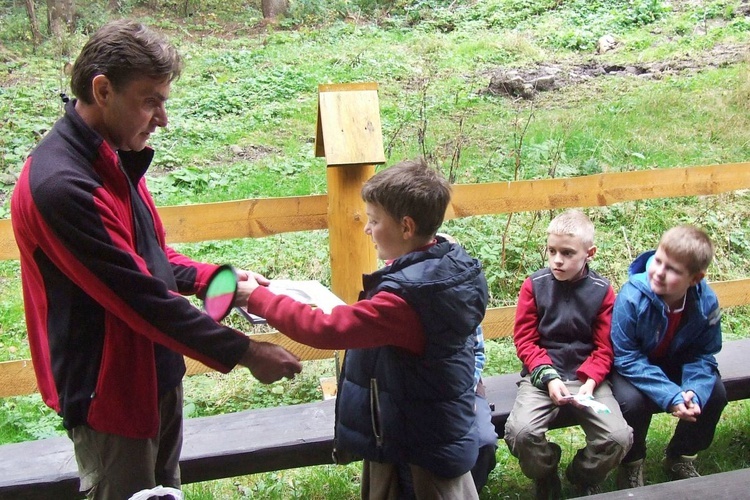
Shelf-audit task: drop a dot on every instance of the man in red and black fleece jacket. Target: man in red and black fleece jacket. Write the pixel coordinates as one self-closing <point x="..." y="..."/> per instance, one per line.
<point x="107" y="321"/>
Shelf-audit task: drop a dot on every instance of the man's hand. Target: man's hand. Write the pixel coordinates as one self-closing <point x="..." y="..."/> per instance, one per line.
<point x="688" y="410"/>
<point x="270" y="362"/>
<point x="247" y="281"/>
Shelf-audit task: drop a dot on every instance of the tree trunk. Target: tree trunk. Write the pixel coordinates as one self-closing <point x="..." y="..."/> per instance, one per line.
<point x="274" y="8"/>
<point x="36" y="35"/>
<point x="60" y="15"/>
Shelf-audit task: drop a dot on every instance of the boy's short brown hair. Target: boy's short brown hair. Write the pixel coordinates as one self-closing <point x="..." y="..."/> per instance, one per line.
<point x="689" y="245"/>
<point x="573" y="223"/>
<point x="411" y="188"/>
<point x="123" y="50"/>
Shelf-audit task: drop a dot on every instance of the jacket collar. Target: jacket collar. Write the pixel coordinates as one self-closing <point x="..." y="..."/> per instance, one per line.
<point x="91" y="144"/>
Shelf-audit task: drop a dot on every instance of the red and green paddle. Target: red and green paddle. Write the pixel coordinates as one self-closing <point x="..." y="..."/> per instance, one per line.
<point x="221" y="292"/>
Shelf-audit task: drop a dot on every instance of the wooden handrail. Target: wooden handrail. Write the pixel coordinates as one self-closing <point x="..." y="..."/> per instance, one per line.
<point x="597" y="190"/>
<point x="264" y="217"/>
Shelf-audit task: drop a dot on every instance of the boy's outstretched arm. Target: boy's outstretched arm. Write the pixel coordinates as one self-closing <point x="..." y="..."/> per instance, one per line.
<point x="385" y="319"/>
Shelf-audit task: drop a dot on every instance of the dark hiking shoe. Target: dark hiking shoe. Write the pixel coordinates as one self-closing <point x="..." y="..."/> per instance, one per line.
<point x="550" y="487"/>
<point x="582" y="488"/>
<point x="589" y="489"/>
<point x="681" y="467"/>
<point x="630" y="475"/>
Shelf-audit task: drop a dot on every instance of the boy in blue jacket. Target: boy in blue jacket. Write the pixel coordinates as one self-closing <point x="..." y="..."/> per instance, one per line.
<point x="665" y="331"/>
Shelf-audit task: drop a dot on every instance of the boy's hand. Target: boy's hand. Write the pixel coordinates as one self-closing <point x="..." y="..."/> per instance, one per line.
<point x="688" y="410"/>
<point x="247" y="282"/>
<point x="448" y="237"/>
<point x="587" y="389"/>
<point x="558" y="392"/>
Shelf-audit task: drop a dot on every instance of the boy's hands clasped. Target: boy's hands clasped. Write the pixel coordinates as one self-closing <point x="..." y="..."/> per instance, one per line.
<point x="688" y="410"/>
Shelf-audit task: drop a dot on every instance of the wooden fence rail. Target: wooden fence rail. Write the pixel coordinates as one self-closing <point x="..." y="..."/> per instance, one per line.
<point x="264" y="217"/>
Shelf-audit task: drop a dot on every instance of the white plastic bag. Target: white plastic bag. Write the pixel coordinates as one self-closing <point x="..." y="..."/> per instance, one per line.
<point x="157" y="492"/>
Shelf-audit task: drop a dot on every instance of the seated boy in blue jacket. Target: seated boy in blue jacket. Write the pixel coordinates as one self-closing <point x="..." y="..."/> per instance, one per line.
<point x="665" y="331"/>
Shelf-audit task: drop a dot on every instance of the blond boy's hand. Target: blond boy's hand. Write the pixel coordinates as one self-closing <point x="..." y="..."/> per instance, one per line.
<point x="587" y="389"/>
<point x="558" y="392"/>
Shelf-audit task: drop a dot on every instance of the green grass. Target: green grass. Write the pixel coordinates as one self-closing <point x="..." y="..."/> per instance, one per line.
<point x="243" y="122"/>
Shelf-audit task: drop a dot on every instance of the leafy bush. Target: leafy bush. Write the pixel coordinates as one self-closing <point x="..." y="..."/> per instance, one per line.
<point x="716" y="9"/>
<point x="741" y="25"/>
<point x="643" y="12"/>
<point x="213" y="393"/>
<point x="223" y="95"/>
<point x="25" y="418"/>
<point x="15" y="26"/>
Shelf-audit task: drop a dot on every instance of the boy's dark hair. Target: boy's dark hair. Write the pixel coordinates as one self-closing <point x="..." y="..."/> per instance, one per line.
<point x="123" y="51"/>
<point x="411" y="188"/>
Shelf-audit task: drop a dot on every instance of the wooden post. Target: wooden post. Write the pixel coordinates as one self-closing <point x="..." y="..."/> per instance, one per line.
<point x="350" y="138"/>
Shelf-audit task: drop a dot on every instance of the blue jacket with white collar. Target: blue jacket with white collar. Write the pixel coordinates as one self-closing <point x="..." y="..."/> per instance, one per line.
<point x="639" y="323"/>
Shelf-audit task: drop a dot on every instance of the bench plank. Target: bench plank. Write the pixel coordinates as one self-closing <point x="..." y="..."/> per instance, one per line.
<point x="734" y="366"/>
<point x="38" y="470"/>
<point x="722" y="485"/>
<point x="267" y="439"/>
<point x="218" y="446"/>
<point x="259" y="440"/>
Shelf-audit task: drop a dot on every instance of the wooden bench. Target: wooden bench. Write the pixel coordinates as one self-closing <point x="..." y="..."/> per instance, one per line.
<point x="723" y="485"/>
<point x="263" y="440"/>
<point x="733" y="365"/>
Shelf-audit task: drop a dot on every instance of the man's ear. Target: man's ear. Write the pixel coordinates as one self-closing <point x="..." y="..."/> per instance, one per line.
<point x="408" y="227"/>
<point x="101" y="89"/>
<point x="590" y="253"/>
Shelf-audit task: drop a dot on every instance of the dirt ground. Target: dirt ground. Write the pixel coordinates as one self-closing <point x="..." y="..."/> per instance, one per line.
<point x="550" y="76"/>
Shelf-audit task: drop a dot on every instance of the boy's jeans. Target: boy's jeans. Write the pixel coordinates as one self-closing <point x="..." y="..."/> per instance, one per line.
<point x="689" y="437"/>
